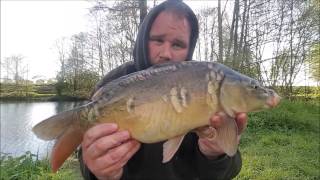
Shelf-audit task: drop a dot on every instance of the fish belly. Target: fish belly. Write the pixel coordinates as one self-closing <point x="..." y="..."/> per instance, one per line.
<point x="159" y="120"/>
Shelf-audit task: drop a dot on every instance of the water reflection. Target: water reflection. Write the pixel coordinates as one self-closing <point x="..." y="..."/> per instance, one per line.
<point x="17" y="120"/>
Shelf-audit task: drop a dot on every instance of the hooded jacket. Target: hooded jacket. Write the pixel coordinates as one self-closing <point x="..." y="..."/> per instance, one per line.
<point x="188" y="162"/>
<point x="140" y="51"/>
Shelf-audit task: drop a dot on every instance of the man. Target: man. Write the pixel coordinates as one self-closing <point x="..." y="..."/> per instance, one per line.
<point x="168" y="33"/>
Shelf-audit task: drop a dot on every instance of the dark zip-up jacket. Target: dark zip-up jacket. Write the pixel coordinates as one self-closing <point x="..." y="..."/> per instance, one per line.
<point x="188" y="162"/>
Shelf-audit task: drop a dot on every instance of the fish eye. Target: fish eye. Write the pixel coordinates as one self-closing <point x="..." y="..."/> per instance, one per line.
<point x="254" y="85"/>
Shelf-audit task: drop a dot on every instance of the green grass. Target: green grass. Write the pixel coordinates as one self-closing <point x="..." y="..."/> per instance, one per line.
<point x="28" y="166"/>
<point x="282" y="143"/>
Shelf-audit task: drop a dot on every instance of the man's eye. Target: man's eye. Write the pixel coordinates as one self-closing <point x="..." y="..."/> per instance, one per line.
<point x="158" y="41"/>
<point x="178" y="46"/>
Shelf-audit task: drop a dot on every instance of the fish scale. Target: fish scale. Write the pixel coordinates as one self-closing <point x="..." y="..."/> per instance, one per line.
<point x="163" y="102"/>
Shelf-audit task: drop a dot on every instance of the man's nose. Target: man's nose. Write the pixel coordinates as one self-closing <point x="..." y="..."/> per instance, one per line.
<point x="166" y="52"/>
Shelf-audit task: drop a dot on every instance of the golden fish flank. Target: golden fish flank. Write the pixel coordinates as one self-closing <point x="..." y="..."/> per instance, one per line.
<point x="212" y="99"/>
<point x="93" y="114"/>
<point x="89" y="115"/>
<point x="213" y="78"/>
<point x="130" y="105"/>
<point x="220" y="75"/>
<point x="164" y="98"/>
<point x="179" y="98"/>
<point x="153" y="108"/>
<point x="184" y="96"/>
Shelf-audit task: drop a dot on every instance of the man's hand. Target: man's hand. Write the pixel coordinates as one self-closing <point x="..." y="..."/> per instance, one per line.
<point x="105" y="150"/>
<point x="208" y="146"/>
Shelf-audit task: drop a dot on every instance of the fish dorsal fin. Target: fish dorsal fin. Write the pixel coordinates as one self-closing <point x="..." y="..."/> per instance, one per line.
<point x="170" y="147"/>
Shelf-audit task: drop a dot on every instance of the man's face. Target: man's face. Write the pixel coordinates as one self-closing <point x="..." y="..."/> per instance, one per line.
<point x="168" y="38"/>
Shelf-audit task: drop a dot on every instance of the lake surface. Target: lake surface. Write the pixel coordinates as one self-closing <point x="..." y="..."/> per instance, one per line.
<point x="17" y="120"/>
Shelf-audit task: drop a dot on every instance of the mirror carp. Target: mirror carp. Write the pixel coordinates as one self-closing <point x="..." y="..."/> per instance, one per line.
<point x="163" y="102"/>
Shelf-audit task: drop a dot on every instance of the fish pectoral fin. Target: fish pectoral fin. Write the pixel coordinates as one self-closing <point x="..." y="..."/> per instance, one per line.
<point x="64" y="147"/>
<point x="170" y="147"/>
<point x="228" y="136"/>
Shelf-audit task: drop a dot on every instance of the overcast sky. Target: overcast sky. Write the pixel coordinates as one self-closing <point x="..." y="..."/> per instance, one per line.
<point x="30" y="28"/>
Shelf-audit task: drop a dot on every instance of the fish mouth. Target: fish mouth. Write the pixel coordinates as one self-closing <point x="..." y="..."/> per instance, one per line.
<point x="273" y="101"/>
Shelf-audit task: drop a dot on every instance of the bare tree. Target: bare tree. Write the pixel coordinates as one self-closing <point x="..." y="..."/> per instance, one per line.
<point x="15" y="68"/>
<point x="62" y="50"/>
<point x="143" y="9"/>
<point x="116" y="29"/>
<point x="220" y="57"/>
<point x="7" y="69"/>
<point x="98" y="34"/>
<point x="288" y="27"/>
<point x="235" y="61"/>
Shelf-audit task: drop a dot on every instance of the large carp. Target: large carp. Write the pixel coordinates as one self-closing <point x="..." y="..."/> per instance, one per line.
<point x="163" y="102"/>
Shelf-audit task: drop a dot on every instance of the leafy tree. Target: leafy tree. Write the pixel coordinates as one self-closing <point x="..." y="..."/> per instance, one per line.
<point x="314" y="62"/>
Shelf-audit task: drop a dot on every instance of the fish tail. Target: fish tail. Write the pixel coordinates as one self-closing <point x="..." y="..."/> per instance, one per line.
<point x="55" y="126"/>
<point x="65" y="146"/>
<point x="65" y="128"/>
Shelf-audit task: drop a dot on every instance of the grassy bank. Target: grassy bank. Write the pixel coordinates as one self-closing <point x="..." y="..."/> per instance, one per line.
<point x="28" y="166"/>
<point x="34" y="92"/>
<point x="42" y="97"/>
<point x="283" y="143"/>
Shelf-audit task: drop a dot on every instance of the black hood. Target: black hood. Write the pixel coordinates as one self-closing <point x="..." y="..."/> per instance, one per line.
<point x="140" y="51"/>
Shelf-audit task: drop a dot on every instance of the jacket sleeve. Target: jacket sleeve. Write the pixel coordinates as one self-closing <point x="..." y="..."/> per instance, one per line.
<point x="224" y="167"/>
<point x="122" y="70"/>
<point x="86" y="173"/>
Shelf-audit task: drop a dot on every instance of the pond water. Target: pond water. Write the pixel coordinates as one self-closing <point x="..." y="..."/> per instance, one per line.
<point x="17" y="120"/>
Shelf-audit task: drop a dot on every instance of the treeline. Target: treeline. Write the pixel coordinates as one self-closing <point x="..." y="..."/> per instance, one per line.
<point x="238" y="38"/>
<point x="27" y="91"/>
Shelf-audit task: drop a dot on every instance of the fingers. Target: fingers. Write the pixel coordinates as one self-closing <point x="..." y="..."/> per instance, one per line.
<point x="101" y="145"/>
<point x="209" y="148"/>
<point x="241" y="120"/>
<point x="106" y="150"/>
<point x="125" y="155"/>
<point x="98" y="131"/>
<point x="115" y="154"/>
<point x="207" y="132"/>
<point x="215" y="121"/>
